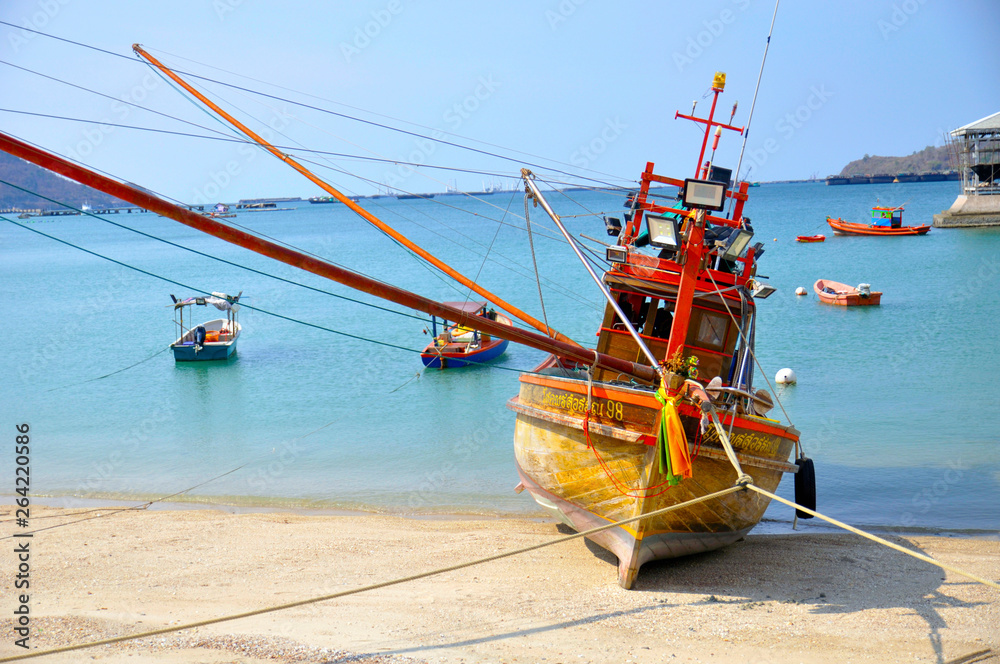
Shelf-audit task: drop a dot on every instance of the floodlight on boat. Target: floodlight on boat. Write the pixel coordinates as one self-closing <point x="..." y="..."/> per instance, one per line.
<point x="662" y="231"/>
<point x="617" y="254"/>
<point x="761" y="290"/>
<point x="614" y="226"/>
<point x="736" y="243"/>
<point x="704" y="194"/>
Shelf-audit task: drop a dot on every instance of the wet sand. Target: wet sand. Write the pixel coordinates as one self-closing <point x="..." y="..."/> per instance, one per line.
<point x="769" y="598"/>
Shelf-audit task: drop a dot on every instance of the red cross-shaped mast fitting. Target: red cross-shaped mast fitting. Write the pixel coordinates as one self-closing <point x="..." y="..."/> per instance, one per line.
<point x="718" y="85"/>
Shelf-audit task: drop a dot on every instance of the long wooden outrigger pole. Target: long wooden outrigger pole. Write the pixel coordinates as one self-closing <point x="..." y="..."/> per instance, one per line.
<point x="569" y="351"/>
<point x="363" y="213"/>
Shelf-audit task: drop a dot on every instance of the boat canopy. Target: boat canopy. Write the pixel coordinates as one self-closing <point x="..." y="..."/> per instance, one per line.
<point x="467" y="307"/>
<point x="220" y="301"/>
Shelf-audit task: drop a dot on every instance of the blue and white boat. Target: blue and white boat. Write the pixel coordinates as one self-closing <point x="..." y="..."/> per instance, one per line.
<point x="211" y="340"/>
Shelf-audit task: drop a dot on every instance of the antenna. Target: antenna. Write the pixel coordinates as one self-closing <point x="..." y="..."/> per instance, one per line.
<point x="759" y="76"/>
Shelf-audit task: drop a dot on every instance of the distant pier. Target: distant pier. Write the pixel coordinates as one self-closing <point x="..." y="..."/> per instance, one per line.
<point x="886" y="178"/>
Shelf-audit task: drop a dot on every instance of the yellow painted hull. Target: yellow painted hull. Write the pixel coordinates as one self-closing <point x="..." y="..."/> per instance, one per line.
<point x="617" y="475"/>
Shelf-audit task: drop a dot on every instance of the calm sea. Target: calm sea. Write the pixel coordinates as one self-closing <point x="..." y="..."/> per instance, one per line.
<point x="897" y="404"/>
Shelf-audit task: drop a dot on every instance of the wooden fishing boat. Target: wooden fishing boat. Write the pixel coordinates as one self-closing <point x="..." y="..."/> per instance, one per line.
<point x="634" y="428"/>
<point x="588" y="443"/>
<point x="834" y="292"/>
<point x="212" y="340"/>
<point x="885" y="221"/>
<point x="811" y="238"/>
<point x="458" y="345"/>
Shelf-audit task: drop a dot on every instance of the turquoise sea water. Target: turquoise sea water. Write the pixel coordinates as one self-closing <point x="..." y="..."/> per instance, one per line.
<point x="897" y="404"/>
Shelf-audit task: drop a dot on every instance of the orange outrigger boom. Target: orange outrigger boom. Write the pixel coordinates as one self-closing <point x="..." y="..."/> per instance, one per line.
<point x="364" y="214"/>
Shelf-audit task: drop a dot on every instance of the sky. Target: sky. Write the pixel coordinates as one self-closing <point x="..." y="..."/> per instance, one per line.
<point x="581" y="86"/>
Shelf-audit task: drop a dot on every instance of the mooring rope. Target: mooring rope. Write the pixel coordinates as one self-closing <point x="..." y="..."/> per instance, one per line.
<point x="90" y="380"/>
<point x="499" y="556"/>
<point x="374" y="586"/>
<point x="874" y="538"/>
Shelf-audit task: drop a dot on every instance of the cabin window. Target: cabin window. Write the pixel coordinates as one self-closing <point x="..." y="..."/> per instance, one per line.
<point x="635" y="307"/>
<point x="662" y="321"/>
<point x="708" y="329"/>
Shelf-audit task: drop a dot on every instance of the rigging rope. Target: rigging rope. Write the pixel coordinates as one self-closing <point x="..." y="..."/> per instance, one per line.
<point x="534" y="261"/>
<point x="429" y="137"/>
<point x="252" y="308"/>
<point x="750" y="349"/>
<point x="210" y="256"/>
<point x="204" y="292"/>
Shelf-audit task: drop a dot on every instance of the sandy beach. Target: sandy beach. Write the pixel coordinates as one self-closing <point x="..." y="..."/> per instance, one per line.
<point x="770" y="598"/>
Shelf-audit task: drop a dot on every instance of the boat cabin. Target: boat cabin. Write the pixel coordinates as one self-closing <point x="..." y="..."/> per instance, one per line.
<point x="712" y="335"/>
<point x="887" y="217"/>
<point x="646" y="278"/>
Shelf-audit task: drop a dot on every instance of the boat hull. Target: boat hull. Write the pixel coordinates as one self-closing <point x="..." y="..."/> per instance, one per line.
<point x="811" y="238"/>
<point x="187" y="350"/>
<point x="437" y="358"/>
<point x="841" y="227"/>
<point x="611" y="472"/>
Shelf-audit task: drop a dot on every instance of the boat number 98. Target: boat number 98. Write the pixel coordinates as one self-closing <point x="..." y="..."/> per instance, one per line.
<point x="613" y="409"/>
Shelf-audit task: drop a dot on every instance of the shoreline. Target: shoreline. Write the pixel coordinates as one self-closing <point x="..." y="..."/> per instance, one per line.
<point x="765" y="527"/>
<point x="775" y="598"/>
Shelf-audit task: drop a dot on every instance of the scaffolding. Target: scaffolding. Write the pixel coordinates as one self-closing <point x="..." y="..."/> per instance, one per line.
<point x="977" y="148"/>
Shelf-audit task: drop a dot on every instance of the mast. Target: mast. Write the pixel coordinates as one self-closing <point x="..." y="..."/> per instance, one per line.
<point x="693" y="252"/>
<point x="568" y="350"/>
<point x="364" y="214"/>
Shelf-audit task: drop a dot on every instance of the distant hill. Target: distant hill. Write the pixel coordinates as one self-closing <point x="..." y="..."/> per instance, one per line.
<point x="34" y="178"/>
<point x="928" y="160"/>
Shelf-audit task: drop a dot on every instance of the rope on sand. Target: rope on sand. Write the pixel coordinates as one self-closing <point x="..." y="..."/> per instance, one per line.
<point x="374" y="586"/>
<point x="839" y="524"/>
<point x="744" y="485"/>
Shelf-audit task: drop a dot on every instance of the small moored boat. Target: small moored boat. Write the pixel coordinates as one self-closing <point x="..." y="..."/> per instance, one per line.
<point x="211" y="340"/>
<point x="459" y="346"/>
<point x="834" y="292"/>
<point x="885" y="221"/>
<point x="810" y="238"/>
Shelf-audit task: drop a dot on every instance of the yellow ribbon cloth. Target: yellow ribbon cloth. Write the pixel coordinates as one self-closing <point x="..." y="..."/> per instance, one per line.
<point x="671" y="443"/>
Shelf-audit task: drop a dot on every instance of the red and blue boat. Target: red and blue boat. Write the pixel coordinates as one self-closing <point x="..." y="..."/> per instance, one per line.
<point x="459" y="346"/>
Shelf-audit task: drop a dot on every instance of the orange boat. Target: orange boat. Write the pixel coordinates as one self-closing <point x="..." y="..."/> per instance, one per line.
<point x="885" y="221"/>
<point x="811" y="238"/>
<point x="834" y="292"/>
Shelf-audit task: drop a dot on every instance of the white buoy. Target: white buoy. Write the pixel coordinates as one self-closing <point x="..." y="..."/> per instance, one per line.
<point x="800" y="291"/>
<point x="785" y="377"/>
